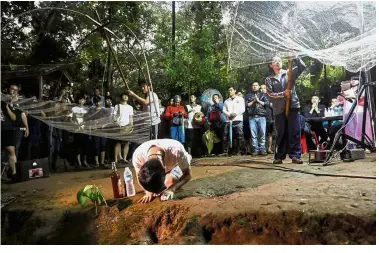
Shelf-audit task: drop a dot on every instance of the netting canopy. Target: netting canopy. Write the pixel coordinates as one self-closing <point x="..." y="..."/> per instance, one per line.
<point x="114" y="122"/>
<point x="75" y="118"/>
<point x="335" y="33"/>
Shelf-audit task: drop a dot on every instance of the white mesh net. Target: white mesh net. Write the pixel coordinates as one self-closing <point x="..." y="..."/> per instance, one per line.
<point x="335" y="33"/>
<point x="104" y="122"/>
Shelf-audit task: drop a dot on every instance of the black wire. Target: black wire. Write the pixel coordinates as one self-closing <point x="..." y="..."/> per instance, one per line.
<point x="277" y="167"/>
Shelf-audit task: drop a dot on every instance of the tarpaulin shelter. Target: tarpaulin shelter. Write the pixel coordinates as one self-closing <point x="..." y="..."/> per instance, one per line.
<point x="36" y="74"/>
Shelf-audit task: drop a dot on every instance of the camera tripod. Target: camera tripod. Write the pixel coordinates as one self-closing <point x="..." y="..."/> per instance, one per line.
<point x="367" y="91"/>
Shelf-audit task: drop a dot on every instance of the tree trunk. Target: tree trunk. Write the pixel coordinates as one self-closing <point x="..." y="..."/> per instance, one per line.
<point x="109" y="70"/>
<point x="173" y="31"/>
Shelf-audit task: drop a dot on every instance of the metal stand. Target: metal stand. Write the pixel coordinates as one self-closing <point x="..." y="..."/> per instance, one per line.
<point x="368" y="89"/>
<point x="5" y="166"/>
<point x="51" y="150"/>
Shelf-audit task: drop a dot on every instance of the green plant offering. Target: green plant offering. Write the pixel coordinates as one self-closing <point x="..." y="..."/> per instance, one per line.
<point x="93" y="193"/>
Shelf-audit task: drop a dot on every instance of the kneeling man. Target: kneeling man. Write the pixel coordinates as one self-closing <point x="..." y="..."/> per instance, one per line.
<point x="162" y="167"/>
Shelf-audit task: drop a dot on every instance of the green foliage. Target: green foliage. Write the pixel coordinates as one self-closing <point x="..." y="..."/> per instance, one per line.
<point x="91" y="192"/>
<point x="201" y="55"/>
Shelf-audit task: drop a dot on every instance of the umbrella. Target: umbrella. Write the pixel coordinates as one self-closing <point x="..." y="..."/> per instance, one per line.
<point x="209" y="138"/>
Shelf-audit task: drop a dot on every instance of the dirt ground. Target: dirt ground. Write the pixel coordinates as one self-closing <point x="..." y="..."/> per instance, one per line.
<point x="232" y="200"/>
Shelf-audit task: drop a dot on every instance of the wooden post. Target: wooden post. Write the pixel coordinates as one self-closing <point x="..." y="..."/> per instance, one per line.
<point x="40" y="91"/>
<point x="289" y="86"/>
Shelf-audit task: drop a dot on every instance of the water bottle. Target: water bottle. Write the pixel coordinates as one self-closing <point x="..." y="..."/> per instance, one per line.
<point x="129" y="186"/>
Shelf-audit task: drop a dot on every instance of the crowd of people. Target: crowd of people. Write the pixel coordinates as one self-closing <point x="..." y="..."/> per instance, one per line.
<point x="79" y="149"/>
<point x="243" y="124"/>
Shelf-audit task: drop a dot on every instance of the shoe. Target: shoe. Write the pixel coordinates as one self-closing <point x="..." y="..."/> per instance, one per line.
<point x="97" y="166"/>
<point x="254" y="154"/>
<point x="13" y="177"/>
<point x="277" y="161"/>
<point x="105" y="166"/>
<point x="262" y="153"/>
<point x="85" y="165"/>
<point x="297" y="161"/>
<point x="224" y="154"/>
<point x="270" y="152"/>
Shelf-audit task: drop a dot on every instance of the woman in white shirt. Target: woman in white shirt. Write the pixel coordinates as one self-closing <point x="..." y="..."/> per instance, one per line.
<point x="123" y="115"/>
<point x="193" y="125"/>
<point x="81" y="141"/>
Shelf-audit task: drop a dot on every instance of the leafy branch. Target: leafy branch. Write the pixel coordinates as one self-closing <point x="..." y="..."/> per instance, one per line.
<point x="93" y="193"/>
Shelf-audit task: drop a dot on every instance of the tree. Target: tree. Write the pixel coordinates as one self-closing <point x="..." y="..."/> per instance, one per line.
<point x="56" y="36"/>
<point x="15" y="40"/>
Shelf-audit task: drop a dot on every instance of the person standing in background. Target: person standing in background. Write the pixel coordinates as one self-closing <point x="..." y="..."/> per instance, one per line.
<point x="123" y="115"/>
<point x="316" y="110"/>
<point x="97" y="93"/>
<point x="150" y="104"/>
<point x="96" y="114"/>
<point x="192" y="127"/>
<point x="287" y="129"/>
<point x="81" y="141"/>
<point x="10" y="116"/>
<point x="269" y="121"/>
<point x="234" y="107"/>
<point x="216" y="121"/>
<point x="176" y="114"/>
<point x="21" y="128"/>
<point x="255" y="106"/>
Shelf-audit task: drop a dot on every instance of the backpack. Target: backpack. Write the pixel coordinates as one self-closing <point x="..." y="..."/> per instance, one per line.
<point x="177" y="121"/>
<point x="214" y="115"/>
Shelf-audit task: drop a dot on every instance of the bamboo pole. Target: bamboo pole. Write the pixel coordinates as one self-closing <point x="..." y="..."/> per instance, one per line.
<point x="289" y="86"/>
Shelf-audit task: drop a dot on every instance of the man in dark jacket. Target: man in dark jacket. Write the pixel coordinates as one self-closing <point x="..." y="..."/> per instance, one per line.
<point x="255" y="105"/>
<point x="287" y="129"/>
<point x="10" y="116"/>
<point x="216" y="121"/>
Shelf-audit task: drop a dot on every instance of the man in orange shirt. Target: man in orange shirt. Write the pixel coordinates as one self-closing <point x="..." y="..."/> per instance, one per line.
<point x="176" y="115"/>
